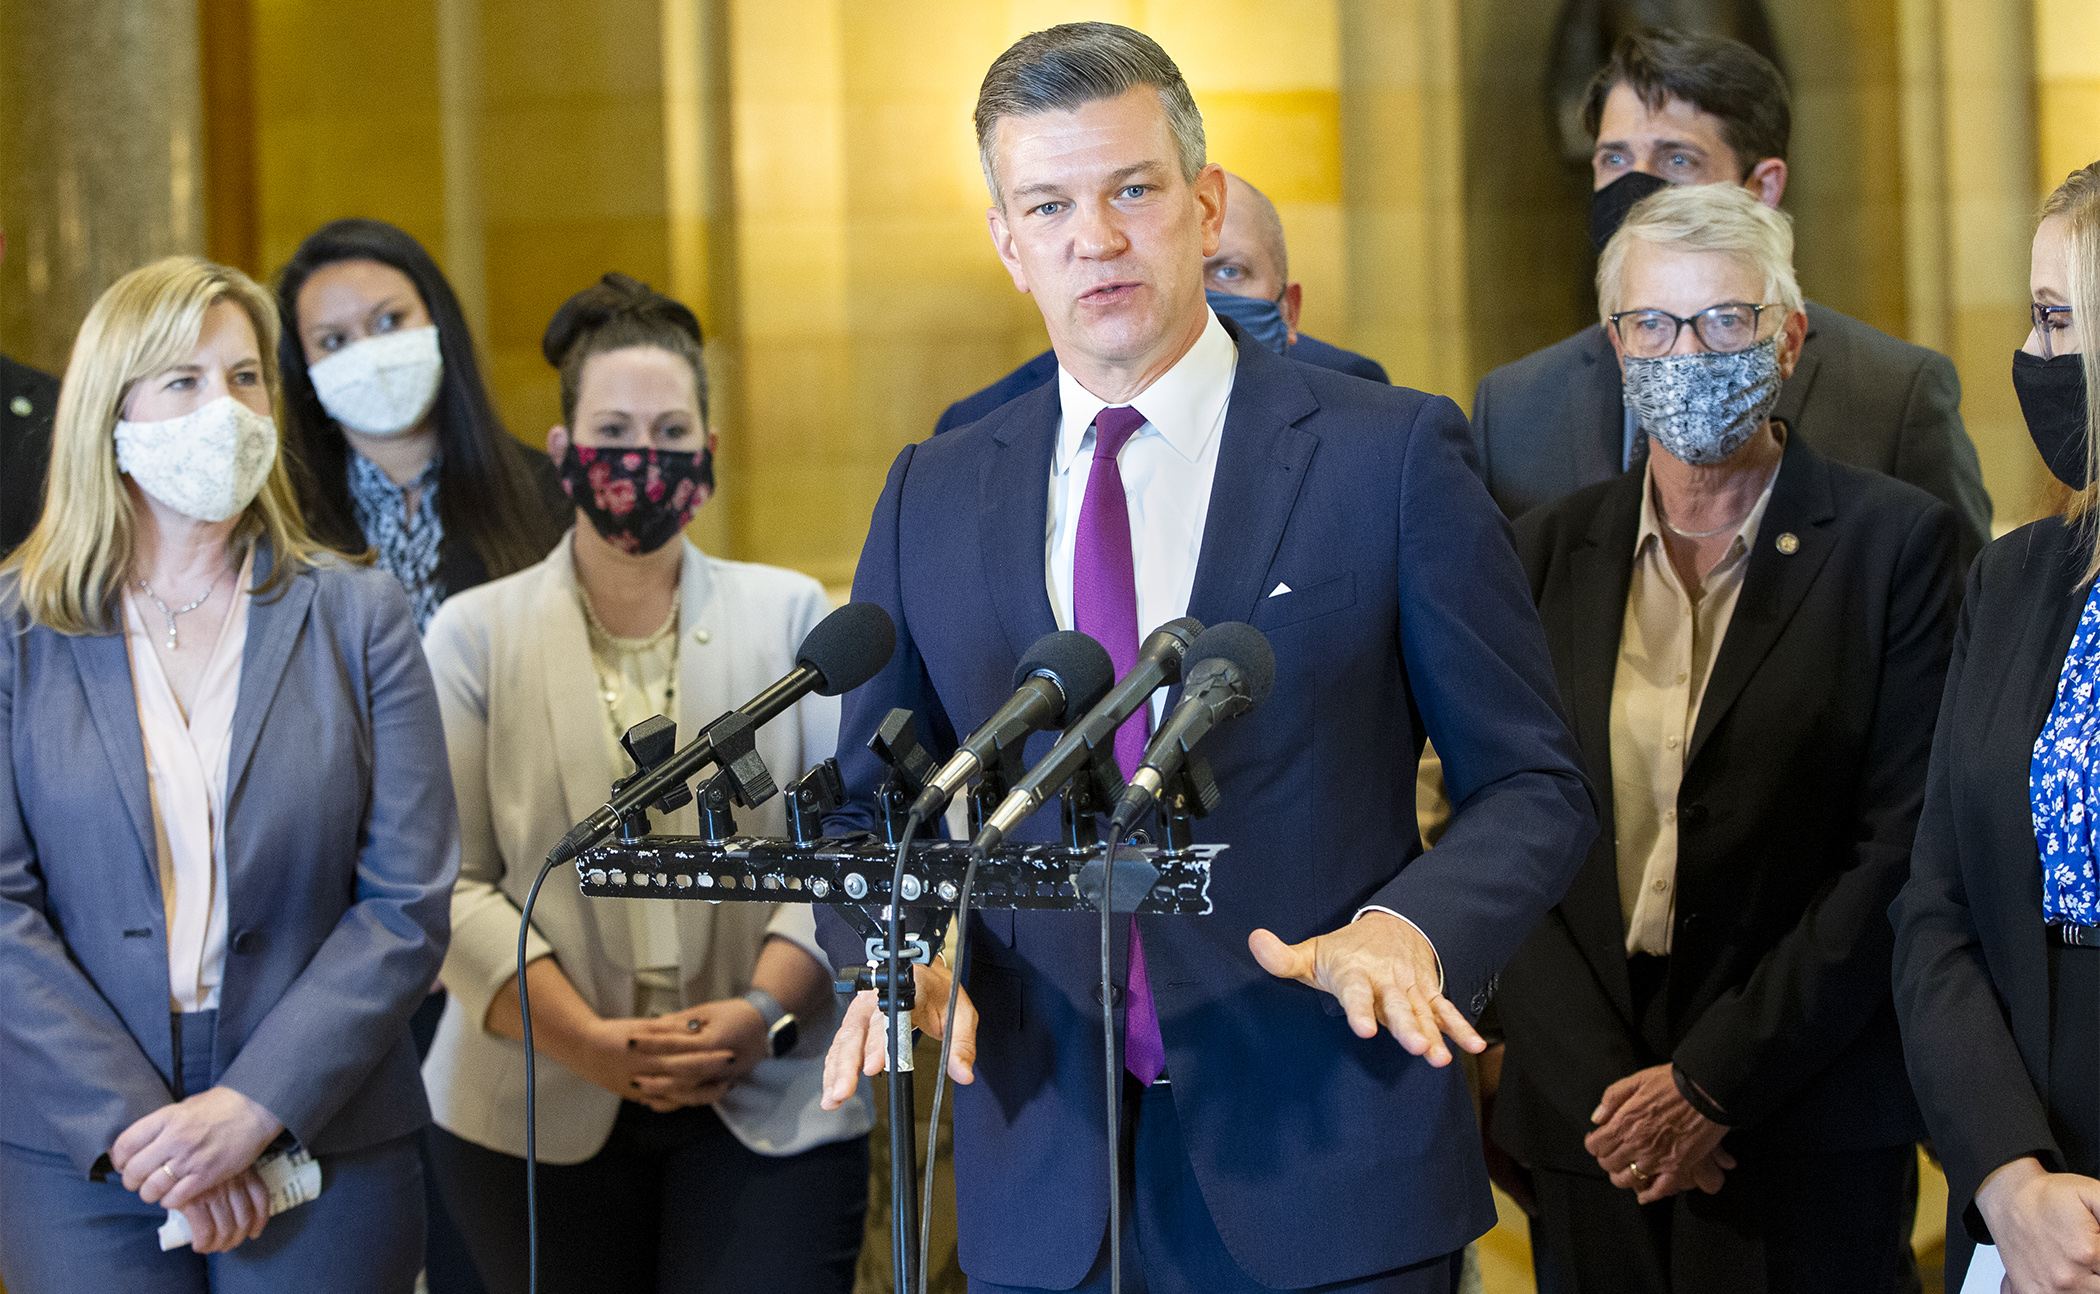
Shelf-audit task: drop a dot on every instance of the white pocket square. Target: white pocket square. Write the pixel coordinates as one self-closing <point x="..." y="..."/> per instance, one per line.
<point x="1280" y="589"/>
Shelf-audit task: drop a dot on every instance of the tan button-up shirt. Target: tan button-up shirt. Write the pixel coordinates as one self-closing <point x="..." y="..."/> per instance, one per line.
<point x="1667" y="648"/>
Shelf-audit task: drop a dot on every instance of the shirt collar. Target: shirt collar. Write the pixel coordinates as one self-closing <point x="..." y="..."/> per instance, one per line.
<point x="1182" y="404"/>
<point x="367" y="481"/>
<point x="1745" y="534"/>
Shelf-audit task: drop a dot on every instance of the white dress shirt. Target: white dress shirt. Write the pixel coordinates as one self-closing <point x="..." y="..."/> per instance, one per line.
<point x="1167" y="467"/>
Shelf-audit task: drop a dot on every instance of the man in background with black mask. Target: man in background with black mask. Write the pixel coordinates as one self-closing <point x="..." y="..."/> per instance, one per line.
<point x="1248" y="282"/>
<point x="1671" y="109"/>
<point x="27" y="398"/>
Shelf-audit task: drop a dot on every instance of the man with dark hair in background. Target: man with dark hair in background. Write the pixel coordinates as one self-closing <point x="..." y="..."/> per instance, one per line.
<point x="1248" y="280"/>
<point x="1675" y="109"/>
<point x="27" y="398"/>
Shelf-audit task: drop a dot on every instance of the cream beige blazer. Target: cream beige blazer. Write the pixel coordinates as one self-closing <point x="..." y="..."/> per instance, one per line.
<point x="524" y="726"/>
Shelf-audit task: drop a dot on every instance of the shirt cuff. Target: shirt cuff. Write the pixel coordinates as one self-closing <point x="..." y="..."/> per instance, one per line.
<point x="1373" y="907"/>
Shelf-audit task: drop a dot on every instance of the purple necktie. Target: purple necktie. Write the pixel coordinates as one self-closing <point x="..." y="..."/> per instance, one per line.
<point x="1104" y="605"/>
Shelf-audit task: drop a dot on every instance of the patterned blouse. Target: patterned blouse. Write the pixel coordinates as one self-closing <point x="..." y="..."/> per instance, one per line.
<point x="407" y="545"/>
<point x="2062" y="785"/>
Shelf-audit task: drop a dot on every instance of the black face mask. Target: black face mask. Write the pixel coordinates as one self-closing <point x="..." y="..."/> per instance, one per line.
<point x="2052" y="397"/>
<point x="1609" y="205"/>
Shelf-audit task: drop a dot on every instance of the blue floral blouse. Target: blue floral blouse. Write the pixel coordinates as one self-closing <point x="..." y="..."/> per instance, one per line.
<point x="2061" y="782"/>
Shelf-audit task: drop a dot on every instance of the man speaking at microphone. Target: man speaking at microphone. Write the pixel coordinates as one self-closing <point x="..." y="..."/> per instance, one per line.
<point x="1293" y="1119"/>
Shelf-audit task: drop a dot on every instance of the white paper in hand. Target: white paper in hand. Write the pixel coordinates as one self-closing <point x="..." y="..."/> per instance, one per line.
<point x="1986" y="1272"/>
<point x="291" y="1179"/>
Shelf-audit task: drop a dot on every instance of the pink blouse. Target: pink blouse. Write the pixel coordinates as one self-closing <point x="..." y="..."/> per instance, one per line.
<point x="186" y="760"/>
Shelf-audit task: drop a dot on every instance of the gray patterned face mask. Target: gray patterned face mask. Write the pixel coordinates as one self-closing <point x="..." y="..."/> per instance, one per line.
<point x="1704" y="407"/>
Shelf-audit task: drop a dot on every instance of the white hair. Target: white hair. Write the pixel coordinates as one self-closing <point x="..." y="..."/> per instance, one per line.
<point x="1705" y="218"/>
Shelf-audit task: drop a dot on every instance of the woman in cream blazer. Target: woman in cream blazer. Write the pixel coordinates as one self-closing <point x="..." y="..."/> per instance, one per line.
<point x="719" y="1170"/>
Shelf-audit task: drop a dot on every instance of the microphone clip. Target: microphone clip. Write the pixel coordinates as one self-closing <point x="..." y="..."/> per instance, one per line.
<point x="896" y="743"/>
<point x="741" y="777"/>
<point x="649" y="743"/>
<point x="1089" y="796"/>
<point x="993" y="782"/>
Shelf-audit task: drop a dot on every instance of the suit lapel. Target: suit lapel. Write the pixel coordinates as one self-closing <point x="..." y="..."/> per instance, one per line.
<point x="1013" y="515"/>
<point x="274" y="625"/>
<point x="1598" y="453"/>
<point x="1793" y="396"/>
<point x="575" y="713"/>
<point x="105" y="678"/>
<point x="1773" y="585"/>
<point x="1600" y="572"/>
<point x="1262" y="460"/>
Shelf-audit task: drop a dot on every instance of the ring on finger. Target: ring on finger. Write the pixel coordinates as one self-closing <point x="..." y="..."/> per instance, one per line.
<point x="170" y="1171"/>
<point x="1638" y="1175"/>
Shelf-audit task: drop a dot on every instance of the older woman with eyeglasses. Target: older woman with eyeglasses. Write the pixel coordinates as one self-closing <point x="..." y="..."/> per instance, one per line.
<point x="1701" y="1081"/>
<point x="1998" y="931"/>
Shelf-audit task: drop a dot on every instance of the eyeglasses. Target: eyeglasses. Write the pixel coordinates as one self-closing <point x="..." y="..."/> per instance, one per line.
<point x="1725" y="328"/>
<point x="2055" y="329"/>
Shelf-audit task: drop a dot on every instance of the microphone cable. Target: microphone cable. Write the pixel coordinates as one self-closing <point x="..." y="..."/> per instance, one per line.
<point x="1111" y="1073"/>
<point x="899" y="1026"/>
<point x="532" y="1201"/>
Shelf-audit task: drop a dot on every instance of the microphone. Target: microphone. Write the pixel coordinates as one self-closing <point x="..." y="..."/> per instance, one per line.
<point x="846" y="649"/>
<point x="1064" y="674"/>
<point x="1158" y="665"/>
<point x="1234" y="672"/>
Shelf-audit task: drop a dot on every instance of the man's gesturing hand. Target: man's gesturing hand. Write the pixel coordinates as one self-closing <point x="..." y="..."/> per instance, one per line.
<point x="861" y="1046"/>
<point x="1382" y="971"/>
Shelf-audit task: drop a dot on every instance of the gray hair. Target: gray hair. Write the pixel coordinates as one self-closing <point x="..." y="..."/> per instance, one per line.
<point x="1705" y="218"/>
<point x="1074" y="64"/>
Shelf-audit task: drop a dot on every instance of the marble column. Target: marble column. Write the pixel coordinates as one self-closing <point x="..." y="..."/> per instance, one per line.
<point x="101" y="157"/>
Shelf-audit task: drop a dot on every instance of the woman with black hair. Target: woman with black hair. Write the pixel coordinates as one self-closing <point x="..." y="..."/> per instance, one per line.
<point x="394" y="447"/>
<point x="680" y="1046"/>
<point x="400" y="448"/>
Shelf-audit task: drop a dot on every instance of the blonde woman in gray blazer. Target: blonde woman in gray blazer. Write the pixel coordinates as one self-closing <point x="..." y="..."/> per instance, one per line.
<point x="677" y="1149"/>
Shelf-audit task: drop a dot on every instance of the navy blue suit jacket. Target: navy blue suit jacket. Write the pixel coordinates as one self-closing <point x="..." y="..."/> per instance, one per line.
<point x="1043" y="369"/>
<point x="1320" y="1155"/>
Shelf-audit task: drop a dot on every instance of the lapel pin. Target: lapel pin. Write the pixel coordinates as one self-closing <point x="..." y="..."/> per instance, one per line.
<point x="700" y="635"/>
<point x="20" y="406"/>
<point x="1787" y="543"/>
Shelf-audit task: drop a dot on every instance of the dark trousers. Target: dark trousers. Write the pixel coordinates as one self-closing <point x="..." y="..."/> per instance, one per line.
<point x="1797" y="1225"/>
<point x="674" y="1202"/>
<point x="446" y="1263"/>
<point x="1170" y="1244"/>
<point x="61" y="1233"/>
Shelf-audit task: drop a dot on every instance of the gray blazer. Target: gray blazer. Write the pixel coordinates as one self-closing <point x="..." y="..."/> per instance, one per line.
<point x="1554" y="421"/>
<point x="341" y="848"/>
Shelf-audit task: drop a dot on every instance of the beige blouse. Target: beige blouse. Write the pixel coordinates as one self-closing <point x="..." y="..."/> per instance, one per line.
<point x="1667" y="648"/>
<point x="186" y="780"/>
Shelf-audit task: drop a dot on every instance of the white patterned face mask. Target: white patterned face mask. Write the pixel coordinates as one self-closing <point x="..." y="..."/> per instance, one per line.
<point x="209" y="464"/>
<point x="383" y="385"/>
<point x="1703" y="407"/>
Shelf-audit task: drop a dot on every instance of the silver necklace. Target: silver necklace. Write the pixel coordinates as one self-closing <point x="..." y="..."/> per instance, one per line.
<point x="1664" y="515"/>
<point x="148" y="590"/>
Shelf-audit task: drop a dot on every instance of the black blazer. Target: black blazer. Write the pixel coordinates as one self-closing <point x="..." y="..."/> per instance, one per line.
<point x="1800" y="796"/>
<point x="27" y="399"/>
<point x="1554" y="421"/>
<point x="1971" y="970"/>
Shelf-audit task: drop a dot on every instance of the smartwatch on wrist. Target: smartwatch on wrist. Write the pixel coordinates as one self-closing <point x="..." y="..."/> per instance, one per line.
<point x="782" y="1029"/>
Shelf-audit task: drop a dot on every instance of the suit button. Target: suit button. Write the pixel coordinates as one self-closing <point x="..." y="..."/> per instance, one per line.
<point x="1694" y="814"/>
<point x="1115" y="994"/>
<point x="247" y="942"/>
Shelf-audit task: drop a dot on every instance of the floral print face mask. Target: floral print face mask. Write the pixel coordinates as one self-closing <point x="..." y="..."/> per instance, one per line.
<point x="638" y="499"/>
<point x="209" y="463"/>
<point x="1703" y="407"/>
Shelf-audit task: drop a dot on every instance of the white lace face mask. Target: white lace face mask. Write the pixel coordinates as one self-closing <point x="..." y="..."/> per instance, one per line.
<point x="208" y="464"/>
<point x="383" y="385"/>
